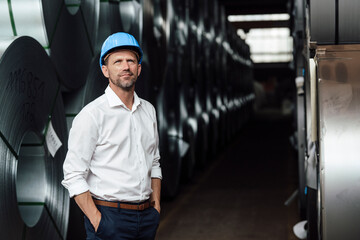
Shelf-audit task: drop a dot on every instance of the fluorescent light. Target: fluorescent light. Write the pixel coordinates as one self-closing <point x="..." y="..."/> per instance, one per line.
<point x="259" y="17"/>
<point x="269" y="58"/>
<point x="270" y="44"/>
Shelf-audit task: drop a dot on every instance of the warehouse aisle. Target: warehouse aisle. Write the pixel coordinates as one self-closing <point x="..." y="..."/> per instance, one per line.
<point x="241" y="194"/>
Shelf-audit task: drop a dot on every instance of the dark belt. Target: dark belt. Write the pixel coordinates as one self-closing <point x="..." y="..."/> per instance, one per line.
<point x="135" y="206"/>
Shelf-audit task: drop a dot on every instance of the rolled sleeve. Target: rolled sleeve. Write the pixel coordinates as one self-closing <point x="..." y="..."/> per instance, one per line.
<point x="156" y="169"/>
<point x="82" y="142"/>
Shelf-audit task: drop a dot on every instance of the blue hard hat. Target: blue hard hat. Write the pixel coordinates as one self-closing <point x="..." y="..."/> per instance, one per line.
<point x="120" y="40"/>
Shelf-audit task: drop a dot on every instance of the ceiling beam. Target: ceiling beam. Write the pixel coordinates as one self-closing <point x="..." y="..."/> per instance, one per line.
<point x="236" y="10"/>
<point x="260" y="24"/>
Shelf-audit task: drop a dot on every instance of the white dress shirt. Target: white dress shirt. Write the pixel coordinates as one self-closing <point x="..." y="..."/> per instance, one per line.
<point x="113" y="151"/>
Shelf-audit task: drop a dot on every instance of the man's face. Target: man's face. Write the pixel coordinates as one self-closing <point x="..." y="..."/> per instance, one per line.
<point x="122" y="69"/>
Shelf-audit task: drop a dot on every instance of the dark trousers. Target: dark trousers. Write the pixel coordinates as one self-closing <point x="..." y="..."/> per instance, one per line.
<point x="119" y="224"/>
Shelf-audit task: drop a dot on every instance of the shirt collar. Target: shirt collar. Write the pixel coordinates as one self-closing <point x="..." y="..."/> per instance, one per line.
<point x="114" y="100"/>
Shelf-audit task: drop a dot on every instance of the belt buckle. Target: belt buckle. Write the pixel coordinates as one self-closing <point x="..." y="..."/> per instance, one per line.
<point x="141" y="207"/>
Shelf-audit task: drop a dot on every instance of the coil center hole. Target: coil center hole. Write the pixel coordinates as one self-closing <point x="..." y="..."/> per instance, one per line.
<point x="31" y="179"/>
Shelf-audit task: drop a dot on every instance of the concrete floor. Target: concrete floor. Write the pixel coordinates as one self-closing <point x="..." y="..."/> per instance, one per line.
<point x="241" y="194"/>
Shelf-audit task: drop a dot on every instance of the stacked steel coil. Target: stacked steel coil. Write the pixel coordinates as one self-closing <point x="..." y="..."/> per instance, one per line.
<point x="335" y="24"/>
<point x="35" y="205"/>
<point x="326" y="53"/>
<point x="195" y="70"/>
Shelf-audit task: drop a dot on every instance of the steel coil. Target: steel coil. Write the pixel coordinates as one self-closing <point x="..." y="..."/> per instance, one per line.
<point x="134" y="16"/>
<point x="170" y="146"/>
<point x="34" y="204"/>
<point x="66" y="29"/>
<point x="131" y="14"/>
<point x="171" y="27"/>
<point x="74" y="101"/>
<point x="109" y="22"/>
<point x="320" y="16"/>
<point x="168" y="109"/>
<point x="35" y="18"/>
<point x="154" y="36"/>
<point x="187" y="123"/>
<point x="6" y="29"/>
<point x="348" y="21"/>
<point x="196" y="55"/>
<point x="72" y="46"/>
<point x="94" y="86"/>
<point x="146" y="86"/>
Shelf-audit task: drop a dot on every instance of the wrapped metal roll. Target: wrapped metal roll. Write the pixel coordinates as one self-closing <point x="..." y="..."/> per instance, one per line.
<point x="196" y="58"/>
<point x="6" y="29"/>
<point x="349" y="21"/>
<point x="33" y="144"/>
<point x="222" y="74"/>
<point x="36" y="18"/>
<point x="322" y="25"/>
<point x="94" y="87"/>
<point x="168" y="110"/>
<point x="134" y="16"/>
<point x="72" y="46"/>
<point x="193" y="39"/>
<point x="109" y="22"/>
<point x="66" y="29"/>
<point x="171" y="26"/>
<point x="170" y="145"/>
<point x="151" y="74"/>
<point x="131" y="14"/>
<point x="74" y="101"/>
<point x="187" y="122"/>
<point x="155" y="39"/>
<point x="338" y="114"/>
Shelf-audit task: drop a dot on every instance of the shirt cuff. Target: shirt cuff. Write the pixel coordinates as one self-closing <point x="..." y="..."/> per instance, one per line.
<point x="76" y="189"/>
<point x="156" y="173"/>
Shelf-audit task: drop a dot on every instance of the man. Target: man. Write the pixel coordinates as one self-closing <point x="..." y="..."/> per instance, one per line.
<point x="112" y="166"/>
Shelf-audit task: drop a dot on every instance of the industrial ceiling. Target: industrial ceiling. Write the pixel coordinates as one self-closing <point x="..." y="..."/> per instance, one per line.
<point x="242" y="7"/>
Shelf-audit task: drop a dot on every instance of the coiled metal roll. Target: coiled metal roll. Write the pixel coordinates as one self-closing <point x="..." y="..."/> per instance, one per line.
<point x="188" y="121"/>
<point x="131" y="14"/>
<point x="34" y="204"/>
<point x="66" y="29"/>
<point x="155" y="39"/>
<point x="196" y="29"/>
<point x="170" y="146"/>
<point x="74" y="101"/>
<point x="167" y="107"/>
<point x="35" y="18"/>
<point x="94" y="87"/>
<point x="72" y="46"/>
<point x="109" y="22"/>
<point x="6" y="29"/>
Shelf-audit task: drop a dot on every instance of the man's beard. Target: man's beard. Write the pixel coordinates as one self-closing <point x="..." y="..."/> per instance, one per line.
<point x="125" y="86"/>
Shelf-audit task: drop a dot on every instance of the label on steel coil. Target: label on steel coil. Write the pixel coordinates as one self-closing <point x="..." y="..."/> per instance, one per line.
<point x="53" y="142"/>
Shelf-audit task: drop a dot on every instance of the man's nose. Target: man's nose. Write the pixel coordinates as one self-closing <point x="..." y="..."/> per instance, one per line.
<point x="125" y="65"/>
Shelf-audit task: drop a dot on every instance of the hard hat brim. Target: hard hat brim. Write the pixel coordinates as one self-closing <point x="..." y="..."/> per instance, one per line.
<point x="131" y="48"/>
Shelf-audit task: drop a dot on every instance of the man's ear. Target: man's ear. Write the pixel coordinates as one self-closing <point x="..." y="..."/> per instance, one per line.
<point x="105" y="71"/>
<point x="139" y="69"/>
